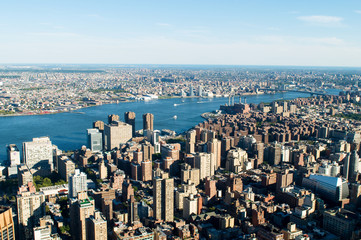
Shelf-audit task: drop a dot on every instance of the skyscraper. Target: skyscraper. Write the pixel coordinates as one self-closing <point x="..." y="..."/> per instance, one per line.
<point x="163" y="197"/>
<point x="77" y="183"/>
<point x="130" y="119"/>
<point x="148" y="121"/>
<point x="95" y="140"/>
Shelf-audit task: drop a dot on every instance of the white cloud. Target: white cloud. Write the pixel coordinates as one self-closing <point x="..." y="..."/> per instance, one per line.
<point x="163" y="24"/>
<point x="323" y="20"/>
<point x="358" y="11"/>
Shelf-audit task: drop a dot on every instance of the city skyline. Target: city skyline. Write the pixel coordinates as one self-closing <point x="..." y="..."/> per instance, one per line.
<point x="212" y="33"/>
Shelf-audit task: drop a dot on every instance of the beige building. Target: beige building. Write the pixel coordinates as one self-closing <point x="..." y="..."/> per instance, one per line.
<point x="97" y="227"/>
<point x="189" y="174"/>
<point x="80" y="211"/>
<point x="30" y="207"/>
<point x="66" y="167"/>
<point x="206" y="164"/>
<point x="7" y="231"/>
<point x="163" y="197"/>
<point x="116" y="133"/>
<point x="236" y="159"/>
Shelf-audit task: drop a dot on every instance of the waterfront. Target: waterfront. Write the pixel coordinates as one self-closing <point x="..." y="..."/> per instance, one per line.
<point x="67" y="130"/>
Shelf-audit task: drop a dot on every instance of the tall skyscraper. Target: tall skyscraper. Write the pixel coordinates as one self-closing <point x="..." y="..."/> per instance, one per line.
<point x="116" y="133"/>
<point x="163" y="197"/>
<point x="130" y="119"/>
<point x="148" y="121"/>
<point x="30" y="207"/>
<point x="38" y="155"/>
<point x="6" y="224"/>
<point x="77" y="183"/>
<point x="95" y="140"/>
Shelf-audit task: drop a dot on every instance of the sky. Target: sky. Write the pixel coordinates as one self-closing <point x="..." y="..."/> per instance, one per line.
<point x="228" y="32"/>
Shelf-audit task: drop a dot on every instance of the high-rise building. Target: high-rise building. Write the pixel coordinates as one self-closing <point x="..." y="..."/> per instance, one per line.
<point x="103" y="171"/>
<point x="97" y="227"/>
<point x="235" y="161"/>
<point x="163" y="197"/>
<point x="148" y="151"/>
<point x="80" y="211"/>
<point x="210" y="187"/>
<point x="13" y="155"/>
<point x="274" y="154"/>
<point x="77" y="183"/>
<point x="191" y="91"/>
<point x="351" y="166"/>
<point x="189" y="174"/>
<point x="148" y="121"/>
<point x="214" y="146"/>
<point x="99" y="125"/>
<point x="205" y="162"/>
<point x="95" y="140"/>
<point x="112" y="118"/>
<point x="130" y="119"/>
<point x="132" y="210"/>
<point x="66" y="167"/>
<point x="30" y="207"/>
<point x="116" y="133"/>
<point x="190" y="206"/>
<point x="7" y="231"/>
<point x="146" y="168"/>
<point x="13" y="159"/>
<point x="38" y="155"/>
<point x="200" y="91"/>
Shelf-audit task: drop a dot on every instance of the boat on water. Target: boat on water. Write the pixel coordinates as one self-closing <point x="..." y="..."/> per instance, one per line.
<point x="175" y="117"/>
<point x="175" y="104"/>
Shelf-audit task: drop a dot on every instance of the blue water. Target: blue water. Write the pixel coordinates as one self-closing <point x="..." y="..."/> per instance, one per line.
<point x="67" y="130"/>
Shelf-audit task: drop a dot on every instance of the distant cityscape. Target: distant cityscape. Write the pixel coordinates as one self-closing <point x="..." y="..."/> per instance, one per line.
<point x="36" y="90"/>
<point x="286" y="169"/>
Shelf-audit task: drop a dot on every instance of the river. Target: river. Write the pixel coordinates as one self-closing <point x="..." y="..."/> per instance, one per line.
<point x="68" y="130"/>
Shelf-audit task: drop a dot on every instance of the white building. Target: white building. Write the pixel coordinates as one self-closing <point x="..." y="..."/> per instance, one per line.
<point x="77" y="183"/>
<point x="38" y="154"/>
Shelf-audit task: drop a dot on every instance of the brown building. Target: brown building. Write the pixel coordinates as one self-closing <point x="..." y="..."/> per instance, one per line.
<point x="130" y="119"/>
<point x="210" y="186"/>
<point x="148" y="121"/>
<point x="7" y="231"/>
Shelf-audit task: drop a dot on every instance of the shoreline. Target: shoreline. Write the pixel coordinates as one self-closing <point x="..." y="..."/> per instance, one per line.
<point x="117" y="102"/>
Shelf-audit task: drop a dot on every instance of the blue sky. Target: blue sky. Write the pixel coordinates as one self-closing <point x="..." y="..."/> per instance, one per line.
<point x="303" y="33"/>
